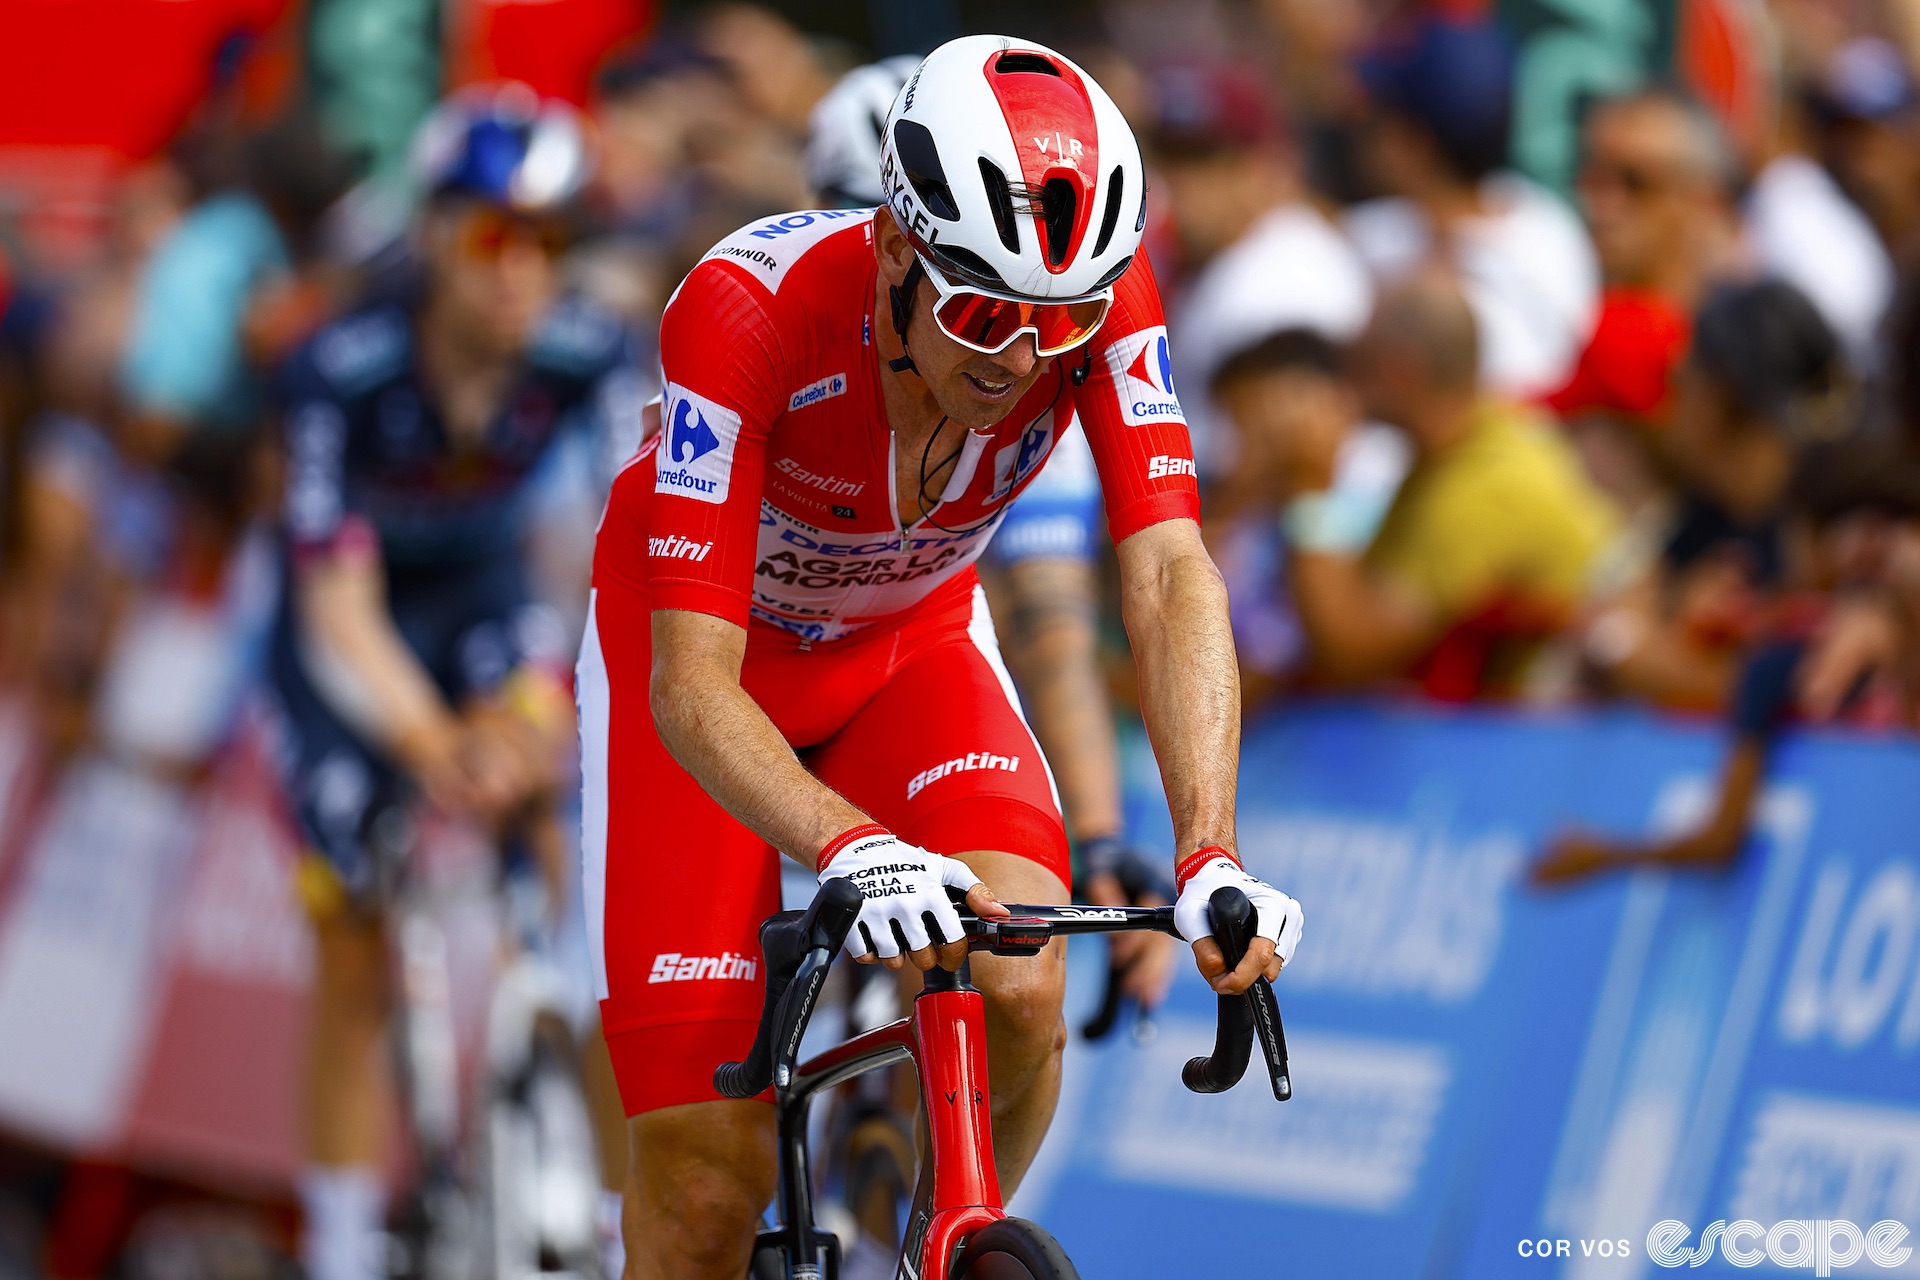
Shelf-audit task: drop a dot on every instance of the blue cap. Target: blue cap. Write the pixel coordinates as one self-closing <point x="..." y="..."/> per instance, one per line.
<point x="1455" y="76"/>
<point x="505" y="145"/>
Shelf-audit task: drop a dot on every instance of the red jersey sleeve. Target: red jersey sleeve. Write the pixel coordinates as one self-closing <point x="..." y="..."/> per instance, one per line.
<point x="720" y="356"/>
<point x="1131" y="415"/>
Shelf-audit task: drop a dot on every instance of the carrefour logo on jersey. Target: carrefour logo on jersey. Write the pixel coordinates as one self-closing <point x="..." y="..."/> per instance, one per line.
<point x="1143" y="377"/>
<point x="696" y="457"/>
<point x="815" y="392"/>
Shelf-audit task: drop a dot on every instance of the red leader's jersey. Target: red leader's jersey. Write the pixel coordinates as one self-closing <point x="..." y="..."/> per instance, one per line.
<point x="767" y="496"/>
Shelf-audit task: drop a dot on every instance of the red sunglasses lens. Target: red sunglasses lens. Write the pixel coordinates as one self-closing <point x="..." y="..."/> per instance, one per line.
<point x="991" y="323"/>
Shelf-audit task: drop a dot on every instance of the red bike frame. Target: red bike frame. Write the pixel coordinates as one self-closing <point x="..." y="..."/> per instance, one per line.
<point x="946" y="1039"/>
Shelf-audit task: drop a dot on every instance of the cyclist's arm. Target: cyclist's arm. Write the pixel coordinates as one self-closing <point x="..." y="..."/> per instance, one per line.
<point x="348" y="643"/>
<point x="1174" y="603"/>
<point x="1045" y="608"/>
<point x="364" y="671"/>
<point x="720" y="735"/>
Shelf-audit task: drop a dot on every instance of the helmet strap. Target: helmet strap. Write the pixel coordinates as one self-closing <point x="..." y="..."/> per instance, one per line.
<point x="900" y="302"/>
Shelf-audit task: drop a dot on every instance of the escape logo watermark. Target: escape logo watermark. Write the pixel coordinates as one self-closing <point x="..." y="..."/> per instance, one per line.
<point x="1821" y="1244"/>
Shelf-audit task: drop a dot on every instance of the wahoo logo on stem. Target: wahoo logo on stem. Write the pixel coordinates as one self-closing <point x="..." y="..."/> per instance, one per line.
<point x="696" y="458"/>
<point x="1142" y="369"/>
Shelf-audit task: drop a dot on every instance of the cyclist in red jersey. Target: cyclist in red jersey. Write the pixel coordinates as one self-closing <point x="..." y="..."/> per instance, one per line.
<point x="788" y="648"/>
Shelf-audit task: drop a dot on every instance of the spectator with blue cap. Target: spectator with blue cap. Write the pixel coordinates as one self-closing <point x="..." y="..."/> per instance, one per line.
<point x="1436" y="146"/>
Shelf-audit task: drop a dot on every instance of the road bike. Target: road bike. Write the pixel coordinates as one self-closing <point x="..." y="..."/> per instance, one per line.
<point x="958" y="1228"/>
<point x="508" y="1177"/>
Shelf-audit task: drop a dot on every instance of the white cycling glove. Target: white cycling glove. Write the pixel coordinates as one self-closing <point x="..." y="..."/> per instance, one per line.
<point x="1278" y="918"/>
<point x="903" y="885"/>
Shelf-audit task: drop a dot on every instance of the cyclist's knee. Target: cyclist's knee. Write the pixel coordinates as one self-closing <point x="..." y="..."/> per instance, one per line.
<point x="1024" y="1000"/>
<point x="701" y="1176"/>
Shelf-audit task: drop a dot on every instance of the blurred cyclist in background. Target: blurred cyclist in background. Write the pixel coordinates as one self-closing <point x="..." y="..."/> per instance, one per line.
<point x="410" y="660"/>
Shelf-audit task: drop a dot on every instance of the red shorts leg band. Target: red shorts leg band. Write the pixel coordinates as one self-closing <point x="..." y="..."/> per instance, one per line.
<point x="671" y="1064"/>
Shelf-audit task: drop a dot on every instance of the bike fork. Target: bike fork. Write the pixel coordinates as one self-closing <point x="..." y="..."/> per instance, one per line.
<point x="806" y="1252"/>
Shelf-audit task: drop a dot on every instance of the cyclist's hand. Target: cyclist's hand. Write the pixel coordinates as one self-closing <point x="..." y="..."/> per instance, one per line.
<point x="906" y="901"/>
<point x="431" y="754"/>
<point x="1276" y="928"/>
<point x="1144" y="959"/>
<point x="499" y="760"/>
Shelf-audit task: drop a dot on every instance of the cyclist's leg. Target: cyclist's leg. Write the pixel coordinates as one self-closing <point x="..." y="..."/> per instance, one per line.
<point x="675" y="892"/>
<point x="942" y="756"/>
<point x="336" y="790"/>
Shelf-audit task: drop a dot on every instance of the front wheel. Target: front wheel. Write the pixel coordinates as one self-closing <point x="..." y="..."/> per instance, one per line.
<point x="1014" y="1249"/>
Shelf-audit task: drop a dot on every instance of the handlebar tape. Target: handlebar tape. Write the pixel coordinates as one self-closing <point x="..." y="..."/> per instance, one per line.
<point x="1232" y="918"/>
<point x="787" y="941"/>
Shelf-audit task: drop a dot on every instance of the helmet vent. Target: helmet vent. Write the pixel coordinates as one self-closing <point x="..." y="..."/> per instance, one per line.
<point x="1140" y="223"/>
<point x="1035" y="63"/>
<point x="920" y="161"/>
<point x="1116" y="183"/>
<point x="1000" y="200"/>
<point x="1058" y="203"/>
<point x="1119" y="269"/>
<point x="969" y="266"/>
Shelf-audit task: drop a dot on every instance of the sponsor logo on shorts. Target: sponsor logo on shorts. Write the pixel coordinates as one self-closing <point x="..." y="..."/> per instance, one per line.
<point x="675" y="547"/>
<point x="1164" y="465"/>
<point x="671" y="966"/>
<point x="1142" y="369"/>
<point x="961" y="764"/>
<point x="696" y="459"/>
<point x="814" y="392"/>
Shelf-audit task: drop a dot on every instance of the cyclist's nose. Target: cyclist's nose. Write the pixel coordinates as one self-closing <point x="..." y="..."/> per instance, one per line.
<point x="1019" y="357"/>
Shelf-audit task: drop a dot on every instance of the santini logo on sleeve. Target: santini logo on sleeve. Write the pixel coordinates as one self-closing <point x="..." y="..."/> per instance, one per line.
<point x="696" y="458"/>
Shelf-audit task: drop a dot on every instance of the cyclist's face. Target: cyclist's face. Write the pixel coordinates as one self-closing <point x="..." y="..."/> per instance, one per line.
<point x="972" y="389"/>
<point x="494" y="271"/>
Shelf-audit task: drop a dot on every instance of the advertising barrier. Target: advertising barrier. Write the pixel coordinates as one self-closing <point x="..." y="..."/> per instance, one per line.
<point x="1714" y="1072"/>
<point x="1492" y="1080"/>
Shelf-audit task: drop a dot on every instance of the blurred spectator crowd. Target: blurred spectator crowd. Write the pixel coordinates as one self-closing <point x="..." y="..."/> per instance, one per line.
<point x="1478" y="415"/>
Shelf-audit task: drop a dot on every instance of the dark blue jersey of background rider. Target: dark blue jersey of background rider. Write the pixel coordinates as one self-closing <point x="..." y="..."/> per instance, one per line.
<point x="373" y="468"/>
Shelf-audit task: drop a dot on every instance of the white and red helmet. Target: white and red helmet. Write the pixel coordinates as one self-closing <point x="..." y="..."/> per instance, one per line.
<point x="1013" y="172"/>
